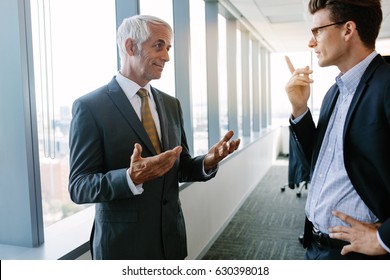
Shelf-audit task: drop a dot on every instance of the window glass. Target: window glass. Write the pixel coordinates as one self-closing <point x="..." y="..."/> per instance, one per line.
<point x="250" y="86"/>
<point x="239" y="83"/>
<point x="324" y="78"/>
<point x="164" y="10"/>
<point x="383" y="47"/>
<point x="198" y="76"/>
<point x="74" y="53"/>
<point x="222" y="75"/>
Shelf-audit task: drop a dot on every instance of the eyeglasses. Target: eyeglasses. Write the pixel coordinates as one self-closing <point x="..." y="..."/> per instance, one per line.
<point x="316" y="30"/>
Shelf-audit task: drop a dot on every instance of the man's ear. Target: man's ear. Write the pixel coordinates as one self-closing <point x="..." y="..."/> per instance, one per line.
<point x="131" y="47"/>
<point x="350" y="28"/>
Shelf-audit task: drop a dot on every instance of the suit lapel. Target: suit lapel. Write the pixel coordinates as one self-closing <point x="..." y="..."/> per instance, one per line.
<point x="161" y="110"/>
<point x="124" y="106"/>
<point x="360" y="90"/>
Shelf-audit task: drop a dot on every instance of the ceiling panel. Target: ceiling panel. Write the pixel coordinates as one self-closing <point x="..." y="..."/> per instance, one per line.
<point x="285" y="24"/>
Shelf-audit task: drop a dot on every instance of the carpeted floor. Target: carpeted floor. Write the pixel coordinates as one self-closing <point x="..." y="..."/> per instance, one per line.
<point x="268" y="224"/>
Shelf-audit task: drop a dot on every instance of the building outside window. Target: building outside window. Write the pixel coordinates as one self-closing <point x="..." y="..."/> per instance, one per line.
<point x="198" y="76"/>
<point x="74" y="53"/>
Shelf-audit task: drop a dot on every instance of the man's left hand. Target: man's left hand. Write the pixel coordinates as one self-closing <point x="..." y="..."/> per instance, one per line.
<point x="221" y="150"/>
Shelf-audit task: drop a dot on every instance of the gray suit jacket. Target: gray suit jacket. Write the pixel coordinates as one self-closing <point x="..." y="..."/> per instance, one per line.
<point x="103" y="132"/>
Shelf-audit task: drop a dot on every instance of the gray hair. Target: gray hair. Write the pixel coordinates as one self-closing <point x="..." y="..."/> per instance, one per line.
<point x="137" y="28"/>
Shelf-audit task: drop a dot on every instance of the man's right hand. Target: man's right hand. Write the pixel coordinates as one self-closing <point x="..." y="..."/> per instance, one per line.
<point x="298" y="88"/>
<point x="146" y="169"/>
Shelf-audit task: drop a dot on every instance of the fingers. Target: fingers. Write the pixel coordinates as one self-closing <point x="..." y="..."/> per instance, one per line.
<point x="226" y="148"/>
<point x="227" y="137"/>
<point x="162" y="163"/>
<point x="289" y="65"/>
<point x="146" y="169"/>
<point x="305" y="72"/>
<point x="236" y="145"/>
<point x="231" y="145"/>
<point x="177" y="150"/>
<point x="136" y="156"/>
<point x="347" y="249"/>
<point x="344" y="217"/>
<point x="362" y="236"/>
<point x="302" y="74"/>
<point x="137" y="150"/>
<point x="340" y="232"/>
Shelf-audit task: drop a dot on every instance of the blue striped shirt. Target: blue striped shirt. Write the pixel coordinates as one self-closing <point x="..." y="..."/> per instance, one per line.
<point x="330" y="187"/>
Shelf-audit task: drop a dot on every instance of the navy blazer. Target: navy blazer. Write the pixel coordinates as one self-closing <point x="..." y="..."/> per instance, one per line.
<point x="366" y="140"/>
<point x="103" y="132"/>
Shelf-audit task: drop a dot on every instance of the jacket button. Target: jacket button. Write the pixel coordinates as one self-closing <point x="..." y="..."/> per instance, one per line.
<point x="165" y="201"/>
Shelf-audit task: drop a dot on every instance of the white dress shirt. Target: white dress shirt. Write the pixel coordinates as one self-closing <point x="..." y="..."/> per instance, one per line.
<point x="131" y="88"/>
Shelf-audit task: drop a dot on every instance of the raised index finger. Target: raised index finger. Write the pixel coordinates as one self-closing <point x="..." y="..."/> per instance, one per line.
<point x="289" y="64"/>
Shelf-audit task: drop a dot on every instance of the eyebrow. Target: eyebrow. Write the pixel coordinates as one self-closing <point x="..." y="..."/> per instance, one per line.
<point x="162" y="41"/>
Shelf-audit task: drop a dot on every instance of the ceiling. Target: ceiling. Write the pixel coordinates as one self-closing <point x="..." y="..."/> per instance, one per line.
<point x="284" y="25"/>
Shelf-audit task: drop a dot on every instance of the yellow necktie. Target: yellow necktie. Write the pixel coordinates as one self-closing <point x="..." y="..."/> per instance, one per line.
<point x="147" y="120"/>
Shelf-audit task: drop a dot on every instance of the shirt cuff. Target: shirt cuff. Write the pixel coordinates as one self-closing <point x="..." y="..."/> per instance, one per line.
<point x="296" y="120"/>
<point x="136" y="190"/>
<point x="382" y="243"/>
<point x="211" y="172"/>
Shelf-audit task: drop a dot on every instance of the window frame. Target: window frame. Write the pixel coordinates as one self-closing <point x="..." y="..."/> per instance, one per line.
<point x="37" y="242"/>
<point x="23" y="234"/>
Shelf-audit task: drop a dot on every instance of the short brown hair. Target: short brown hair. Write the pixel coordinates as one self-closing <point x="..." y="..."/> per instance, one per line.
<point x="367" y="14"/>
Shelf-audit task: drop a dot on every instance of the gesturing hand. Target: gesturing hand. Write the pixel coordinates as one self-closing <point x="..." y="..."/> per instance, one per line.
<point x="221" y="150"/>
<point x="146" y="169"/>
<point x="298" y="88"/>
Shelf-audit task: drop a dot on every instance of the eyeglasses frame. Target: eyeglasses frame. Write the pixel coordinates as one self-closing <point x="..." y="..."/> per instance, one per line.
<point x="314" y="30"/>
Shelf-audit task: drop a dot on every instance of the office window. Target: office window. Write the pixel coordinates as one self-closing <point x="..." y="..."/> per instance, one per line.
<point x="239" y="84"/>
<point x="222" y="75"/>
<point x="255" y="84"/>
<point x="252" y="71"/>
<point x="74" y="53"/>
<point x="198" y="76"/>
<point x="162" y="9"/>
<point x="323" y="78"/>
<point x="383" y="47"/>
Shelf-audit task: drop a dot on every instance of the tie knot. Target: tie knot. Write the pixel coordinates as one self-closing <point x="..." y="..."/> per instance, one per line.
<point x="142" y="92"/>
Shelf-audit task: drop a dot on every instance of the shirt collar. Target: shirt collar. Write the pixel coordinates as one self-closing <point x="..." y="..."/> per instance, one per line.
<point x="351" y="78"/>
<point x="129" y="87"/>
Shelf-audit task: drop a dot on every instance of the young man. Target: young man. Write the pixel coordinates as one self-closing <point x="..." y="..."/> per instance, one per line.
<point x="347" y="209"/>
